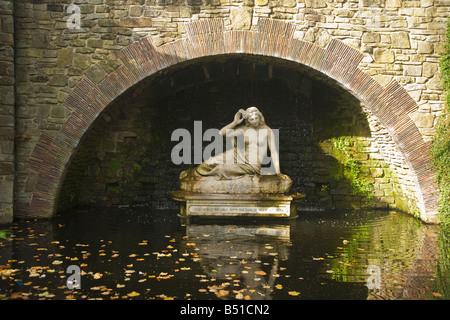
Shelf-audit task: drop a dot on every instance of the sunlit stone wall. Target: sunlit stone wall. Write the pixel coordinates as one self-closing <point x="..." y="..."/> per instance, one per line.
<point x="401" y="41"/>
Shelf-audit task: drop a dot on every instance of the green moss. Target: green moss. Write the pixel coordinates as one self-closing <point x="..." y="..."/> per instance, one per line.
<point x="440" y="150"/>
<point x="115" y="166"/>
<point x="348" y="168"/>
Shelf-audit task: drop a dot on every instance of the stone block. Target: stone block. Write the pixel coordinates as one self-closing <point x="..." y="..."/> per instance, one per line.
<point x="241" y="18"/>
<point x="393" y="4"/>
<point x="6" y="191"/>
<point x="422" y="119"/>
<point x="289" y="3"/>
<point x="435" y="83"/>
<point x="382" y="55"/>
<point x="261" y="2"/>
<point x="94" y="43"/>
<point x="58" y="80"/>
<point x="371" y="37"/>
<point x="315" y="4"/>
<point x="81" y="61"/>
<point x="136" y="22"/>
<point x="400" y="40"/>
<point x="424" y="47"/>
<point x="429" y="69"/>
<point x="136" y="11"/>
<point x="96" y="73"/>
<point x="64" y="58"/>
<point x="58" y="112"/>
<point x="413" y="70"/>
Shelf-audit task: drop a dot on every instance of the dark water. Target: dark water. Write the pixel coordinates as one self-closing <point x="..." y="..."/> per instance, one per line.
<point x="138" y="254"/>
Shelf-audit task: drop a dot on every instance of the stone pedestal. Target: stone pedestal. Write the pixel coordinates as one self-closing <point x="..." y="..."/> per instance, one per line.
<point x="237" y="205"/>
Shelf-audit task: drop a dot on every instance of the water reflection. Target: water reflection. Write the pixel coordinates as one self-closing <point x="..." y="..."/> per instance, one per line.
<point x="246" y="255"/>
<point x="140" y="254"/>
<point x="405" y="251"/>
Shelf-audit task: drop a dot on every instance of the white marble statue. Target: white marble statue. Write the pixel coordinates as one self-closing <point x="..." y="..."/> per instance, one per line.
<point x="253" y="138"/>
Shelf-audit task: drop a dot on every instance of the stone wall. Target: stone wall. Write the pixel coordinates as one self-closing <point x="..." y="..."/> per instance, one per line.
<point x="7" y="122"/>
<point x="401" y="41"/>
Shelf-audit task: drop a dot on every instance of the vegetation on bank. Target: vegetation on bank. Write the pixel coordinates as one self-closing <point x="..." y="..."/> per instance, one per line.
<point x="441" y="143"/>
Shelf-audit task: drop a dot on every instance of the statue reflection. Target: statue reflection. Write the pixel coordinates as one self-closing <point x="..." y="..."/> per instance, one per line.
<point x="242" y="259"/>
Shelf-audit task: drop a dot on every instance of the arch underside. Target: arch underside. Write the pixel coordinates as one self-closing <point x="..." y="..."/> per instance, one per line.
<point x="273" y="38"/>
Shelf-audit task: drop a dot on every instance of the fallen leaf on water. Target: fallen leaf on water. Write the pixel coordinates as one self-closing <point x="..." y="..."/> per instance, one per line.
<point x="97" y="275"/>
<point x="133" y="294"/>
<point x="190" y="244"/>
<point x="436" y="294"/>
<point x="57" y="262"/>
<point x="279" y="286"/>
<point x="120" y="285"/>
<point x="260" y="272"/>
<point x="294" y="293"/>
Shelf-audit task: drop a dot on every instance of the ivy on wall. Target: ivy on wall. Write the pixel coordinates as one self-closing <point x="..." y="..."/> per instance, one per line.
<point x="441" y="143"/>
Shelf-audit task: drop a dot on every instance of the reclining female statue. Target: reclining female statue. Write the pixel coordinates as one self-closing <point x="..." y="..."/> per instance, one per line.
<point x="253" y="139"/>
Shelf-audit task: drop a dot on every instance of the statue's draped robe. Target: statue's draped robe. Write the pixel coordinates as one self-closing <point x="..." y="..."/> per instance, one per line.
<point x="231" y="164"/>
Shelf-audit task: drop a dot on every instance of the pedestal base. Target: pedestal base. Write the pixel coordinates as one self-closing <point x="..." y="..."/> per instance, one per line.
<point x="237" y="205"/>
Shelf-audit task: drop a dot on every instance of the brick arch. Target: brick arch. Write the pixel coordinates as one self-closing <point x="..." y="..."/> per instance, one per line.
<point x="273" y="38"/>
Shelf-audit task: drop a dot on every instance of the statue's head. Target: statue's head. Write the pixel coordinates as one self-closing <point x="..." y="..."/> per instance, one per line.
<point x="253" y="117"/>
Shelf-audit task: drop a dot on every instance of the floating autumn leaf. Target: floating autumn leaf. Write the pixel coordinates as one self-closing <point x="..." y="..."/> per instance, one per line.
<point x="279" y="286"/>
<point x="222" y="293"/>
<point x="120" y="285"/>
<point x="190" y="244"/>
<point x="133" y="294"/>
<point x="56" y="262"/>
<point x="436" y="294"/>
<point x="260" y="272"/>
<point x="293" y="293"/>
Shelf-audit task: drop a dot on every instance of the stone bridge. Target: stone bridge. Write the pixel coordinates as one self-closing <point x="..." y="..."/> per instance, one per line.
<point x="59" y="79"/>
